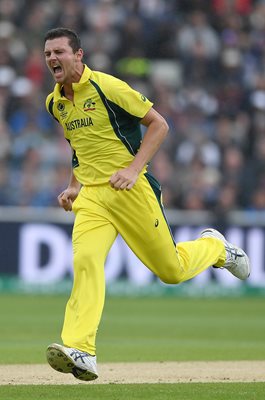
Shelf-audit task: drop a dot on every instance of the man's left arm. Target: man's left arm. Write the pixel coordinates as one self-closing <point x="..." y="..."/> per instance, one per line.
<point x="157" y="129"/>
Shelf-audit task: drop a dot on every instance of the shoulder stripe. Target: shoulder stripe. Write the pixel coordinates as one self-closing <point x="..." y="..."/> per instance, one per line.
<point x="50" y="108"/>
<point x="113" y="118"/>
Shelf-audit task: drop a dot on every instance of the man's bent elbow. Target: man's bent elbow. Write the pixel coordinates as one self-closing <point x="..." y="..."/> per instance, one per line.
<point x="164" y="127"/>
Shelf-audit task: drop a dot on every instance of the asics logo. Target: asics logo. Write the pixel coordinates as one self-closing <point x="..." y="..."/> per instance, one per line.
<point x="233" y="252"/>
<point x="78" y="355"/>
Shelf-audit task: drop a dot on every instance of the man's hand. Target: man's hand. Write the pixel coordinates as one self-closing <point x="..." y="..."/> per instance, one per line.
<point x="67" y="197"/>
<point x="124" y="179"/>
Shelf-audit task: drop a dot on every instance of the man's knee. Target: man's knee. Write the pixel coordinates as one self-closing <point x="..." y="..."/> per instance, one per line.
<point x="172" y="278"/>
<point x="86" y="257"/>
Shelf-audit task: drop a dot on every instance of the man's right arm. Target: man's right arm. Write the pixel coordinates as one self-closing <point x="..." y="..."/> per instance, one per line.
<point x="67" y="197"/>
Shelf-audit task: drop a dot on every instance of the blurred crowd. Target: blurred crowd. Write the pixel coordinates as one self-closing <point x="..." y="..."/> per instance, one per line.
<point x="202" y="63"/>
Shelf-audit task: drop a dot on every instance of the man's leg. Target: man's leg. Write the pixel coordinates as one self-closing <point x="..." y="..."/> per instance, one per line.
<point x="93" y="236"/>
<point x="139" y="218"/>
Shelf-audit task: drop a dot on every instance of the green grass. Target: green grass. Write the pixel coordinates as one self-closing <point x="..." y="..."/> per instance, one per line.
<point x="142" y="329"/>
<point x="182" y="329"/>
<point x="139" y="329"/>
<point x="182" y="391"/>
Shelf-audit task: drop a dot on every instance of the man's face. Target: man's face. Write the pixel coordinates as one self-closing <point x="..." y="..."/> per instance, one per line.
<point x="62" y="61"/>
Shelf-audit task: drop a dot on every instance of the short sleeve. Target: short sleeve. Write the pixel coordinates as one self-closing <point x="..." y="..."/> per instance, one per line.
<point x="119" y="92"/>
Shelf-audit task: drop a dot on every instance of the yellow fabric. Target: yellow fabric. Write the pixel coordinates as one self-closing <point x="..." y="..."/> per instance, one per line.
<point x="102" y="212"/>
<point x="102" y="124"/>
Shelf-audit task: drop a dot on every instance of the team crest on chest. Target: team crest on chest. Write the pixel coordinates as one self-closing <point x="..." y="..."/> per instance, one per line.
<point x="61" y="109"/>
<point x="89" y="105"/>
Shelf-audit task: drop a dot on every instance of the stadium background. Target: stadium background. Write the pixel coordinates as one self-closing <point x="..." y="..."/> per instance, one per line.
<point x="202" y="64"/>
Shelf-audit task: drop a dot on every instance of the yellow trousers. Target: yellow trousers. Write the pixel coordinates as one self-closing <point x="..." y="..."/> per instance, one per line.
<point x="137" y="215"/>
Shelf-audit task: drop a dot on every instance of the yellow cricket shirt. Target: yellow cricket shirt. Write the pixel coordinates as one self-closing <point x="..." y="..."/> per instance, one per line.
<point x="102" y="124"/>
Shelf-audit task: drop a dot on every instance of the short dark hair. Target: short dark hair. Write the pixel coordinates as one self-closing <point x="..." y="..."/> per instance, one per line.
<point x="74" y="40"/>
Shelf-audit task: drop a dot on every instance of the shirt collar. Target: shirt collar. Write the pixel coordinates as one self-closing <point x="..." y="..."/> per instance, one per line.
<point x="76" y="85"/>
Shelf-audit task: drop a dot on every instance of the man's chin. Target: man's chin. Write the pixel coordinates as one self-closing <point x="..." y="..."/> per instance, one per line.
<point x="58" y="79"/>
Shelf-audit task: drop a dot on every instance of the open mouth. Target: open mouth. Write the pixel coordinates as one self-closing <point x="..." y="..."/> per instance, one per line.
<point x="57" y="70"/>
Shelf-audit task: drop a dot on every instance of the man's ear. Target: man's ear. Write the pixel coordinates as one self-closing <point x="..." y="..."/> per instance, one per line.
<point x="79" y="54"/>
